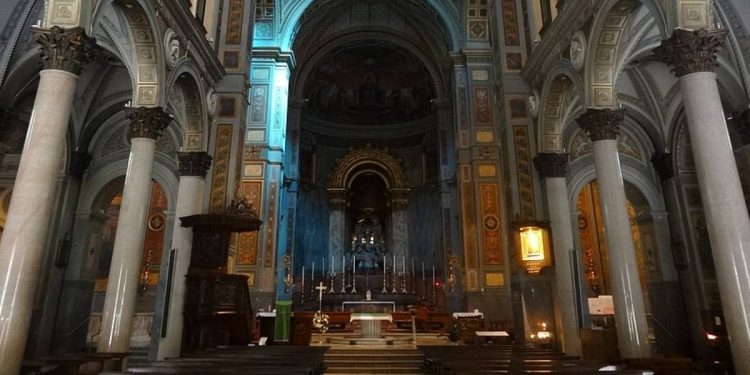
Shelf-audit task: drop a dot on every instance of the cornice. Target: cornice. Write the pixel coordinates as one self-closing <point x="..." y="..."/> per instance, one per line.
<point x="190" y="31"/>
<point x="558" y="34"/>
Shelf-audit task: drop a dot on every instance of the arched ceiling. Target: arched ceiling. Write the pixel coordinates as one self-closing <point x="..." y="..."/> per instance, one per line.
<point x="369" y="82"/>
<point x="371" y="62"/>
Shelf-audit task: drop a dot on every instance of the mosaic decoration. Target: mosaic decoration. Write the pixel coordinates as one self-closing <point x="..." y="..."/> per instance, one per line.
<point x="482" y="105"/>
<point x="271" y="223"/>
<point x="247" y="247"/>
<point x="524" y="170"/>
<point x="469" y="226"/>
<point x="477" y="19"/>
<point x="510" y="23"/>
<point x="493" y="251"/>
<point x="221" y="166"/>
<point x="234" y="21"/>
<point x="258" y="99"/>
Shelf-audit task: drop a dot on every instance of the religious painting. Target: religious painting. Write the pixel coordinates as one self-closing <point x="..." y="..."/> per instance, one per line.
<point x="518" y="108"/>
<point x="231" y="59"/>
<point x="227" y="107"/>
<point x="482" y="105"/>
<point x="370" y="85"/>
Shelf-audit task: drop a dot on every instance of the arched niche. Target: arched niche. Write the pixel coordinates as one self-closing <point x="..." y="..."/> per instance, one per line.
<point x="376" y="165"/>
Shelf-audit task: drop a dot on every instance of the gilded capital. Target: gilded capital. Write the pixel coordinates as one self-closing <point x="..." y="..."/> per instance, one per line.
<point x="550" y="164"/>
<point x="602" y="124"/>
<point x="64" y="49"/>
<point x="691" y="51"/>
<point x="194" y="163"/>
<point x="147" y="122"/>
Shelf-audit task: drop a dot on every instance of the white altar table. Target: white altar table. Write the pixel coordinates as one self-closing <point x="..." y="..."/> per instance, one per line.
<point x="371" y="323"/>
<point x="368" y="306"/>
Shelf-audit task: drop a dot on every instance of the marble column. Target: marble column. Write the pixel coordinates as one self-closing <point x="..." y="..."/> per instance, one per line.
<point x="552" y="169"/>
<point x="337" y="244"/>
<point x="146" y="125"/>
<point x="193" y="168"/>
<point x="693" y="55"/>
<point x="603" y="127"/>
<point x="64" y="51"/>
<point x="399" y="223"/>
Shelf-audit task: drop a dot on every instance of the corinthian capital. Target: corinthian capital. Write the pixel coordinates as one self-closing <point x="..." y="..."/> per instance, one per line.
<point x="691" y="51"/>
<point x="147" y="122"/>
<point x="64" y="49"/>
<point x="602" y="124"/>
<point x="194" y="163"/>
<point x="550" y="164"/>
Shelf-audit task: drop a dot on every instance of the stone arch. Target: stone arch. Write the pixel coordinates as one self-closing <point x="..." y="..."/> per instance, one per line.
<point x="191" y="111"/>
<point x="141" y="51"/>
<point x="370" y="159"/>
<point x="552" y="113"/>
<point x="608" y="44"/>
<point x="447" y="19"/>
<point x="301" y="75"/>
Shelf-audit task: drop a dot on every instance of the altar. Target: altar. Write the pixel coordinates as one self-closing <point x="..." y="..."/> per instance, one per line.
<point x="368" y="306"/>
<point x="371" y="323"/>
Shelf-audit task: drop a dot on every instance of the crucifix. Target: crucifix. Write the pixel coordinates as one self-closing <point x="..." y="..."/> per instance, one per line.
<point x="320" y="288"/>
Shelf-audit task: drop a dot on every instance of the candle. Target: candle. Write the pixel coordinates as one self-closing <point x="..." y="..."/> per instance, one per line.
<point x="343" y="264"/>
<point x="385" y="267"/>
<point x="312" y="274"/>
<point x="303" y="276"/>
<point x="333" y="265"/>
<point x="412" y="267"/>
<point x="394" y="264"/>
<point x="354" y="264"/>
<point x="422" y="270"/>
<point x="433" y="276"/>
<point x="403" y="265"/>
<point x="324" y="267"/>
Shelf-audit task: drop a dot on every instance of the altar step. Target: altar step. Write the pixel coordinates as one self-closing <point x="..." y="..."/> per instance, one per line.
<point x="374" y="361"/>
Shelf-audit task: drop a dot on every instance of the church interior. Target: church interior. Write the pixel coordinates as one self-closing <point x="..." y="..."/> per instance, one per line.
<point x="439" y="186"/>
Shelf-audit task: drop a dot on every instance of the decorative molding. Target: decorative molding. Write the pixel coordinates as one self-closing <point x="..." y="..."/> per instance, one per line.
<point x="691" y="51"/>
<point x="194" y="163"/>
<point x="64" y="49"/>
<point x="381" y="158"/>
<point x="550" y="164"/>
<point x="602" y="124"/>
<point x="147" y="122"/>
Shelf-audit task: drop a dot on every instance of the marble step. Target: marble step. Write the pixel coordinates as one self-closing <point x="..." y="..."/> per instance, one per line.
<point x="374" y="370"/>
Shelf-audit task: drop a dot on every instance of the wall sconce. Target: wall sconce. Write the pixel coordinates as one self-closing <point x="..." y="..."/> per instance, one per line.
<point x="532" y="246"/>
<point x="287" y="262"/>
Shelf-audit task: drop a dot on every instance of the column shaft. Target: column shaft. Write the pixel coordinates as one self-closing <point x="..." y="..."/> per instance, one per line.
<point x="562" y="244"/>
<point x="723" y="202"/>
<point x="124" y="271"/>
<point x="189" y="202"/>
<point x="26" y="227"/>
<point x="630" y="314"/>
